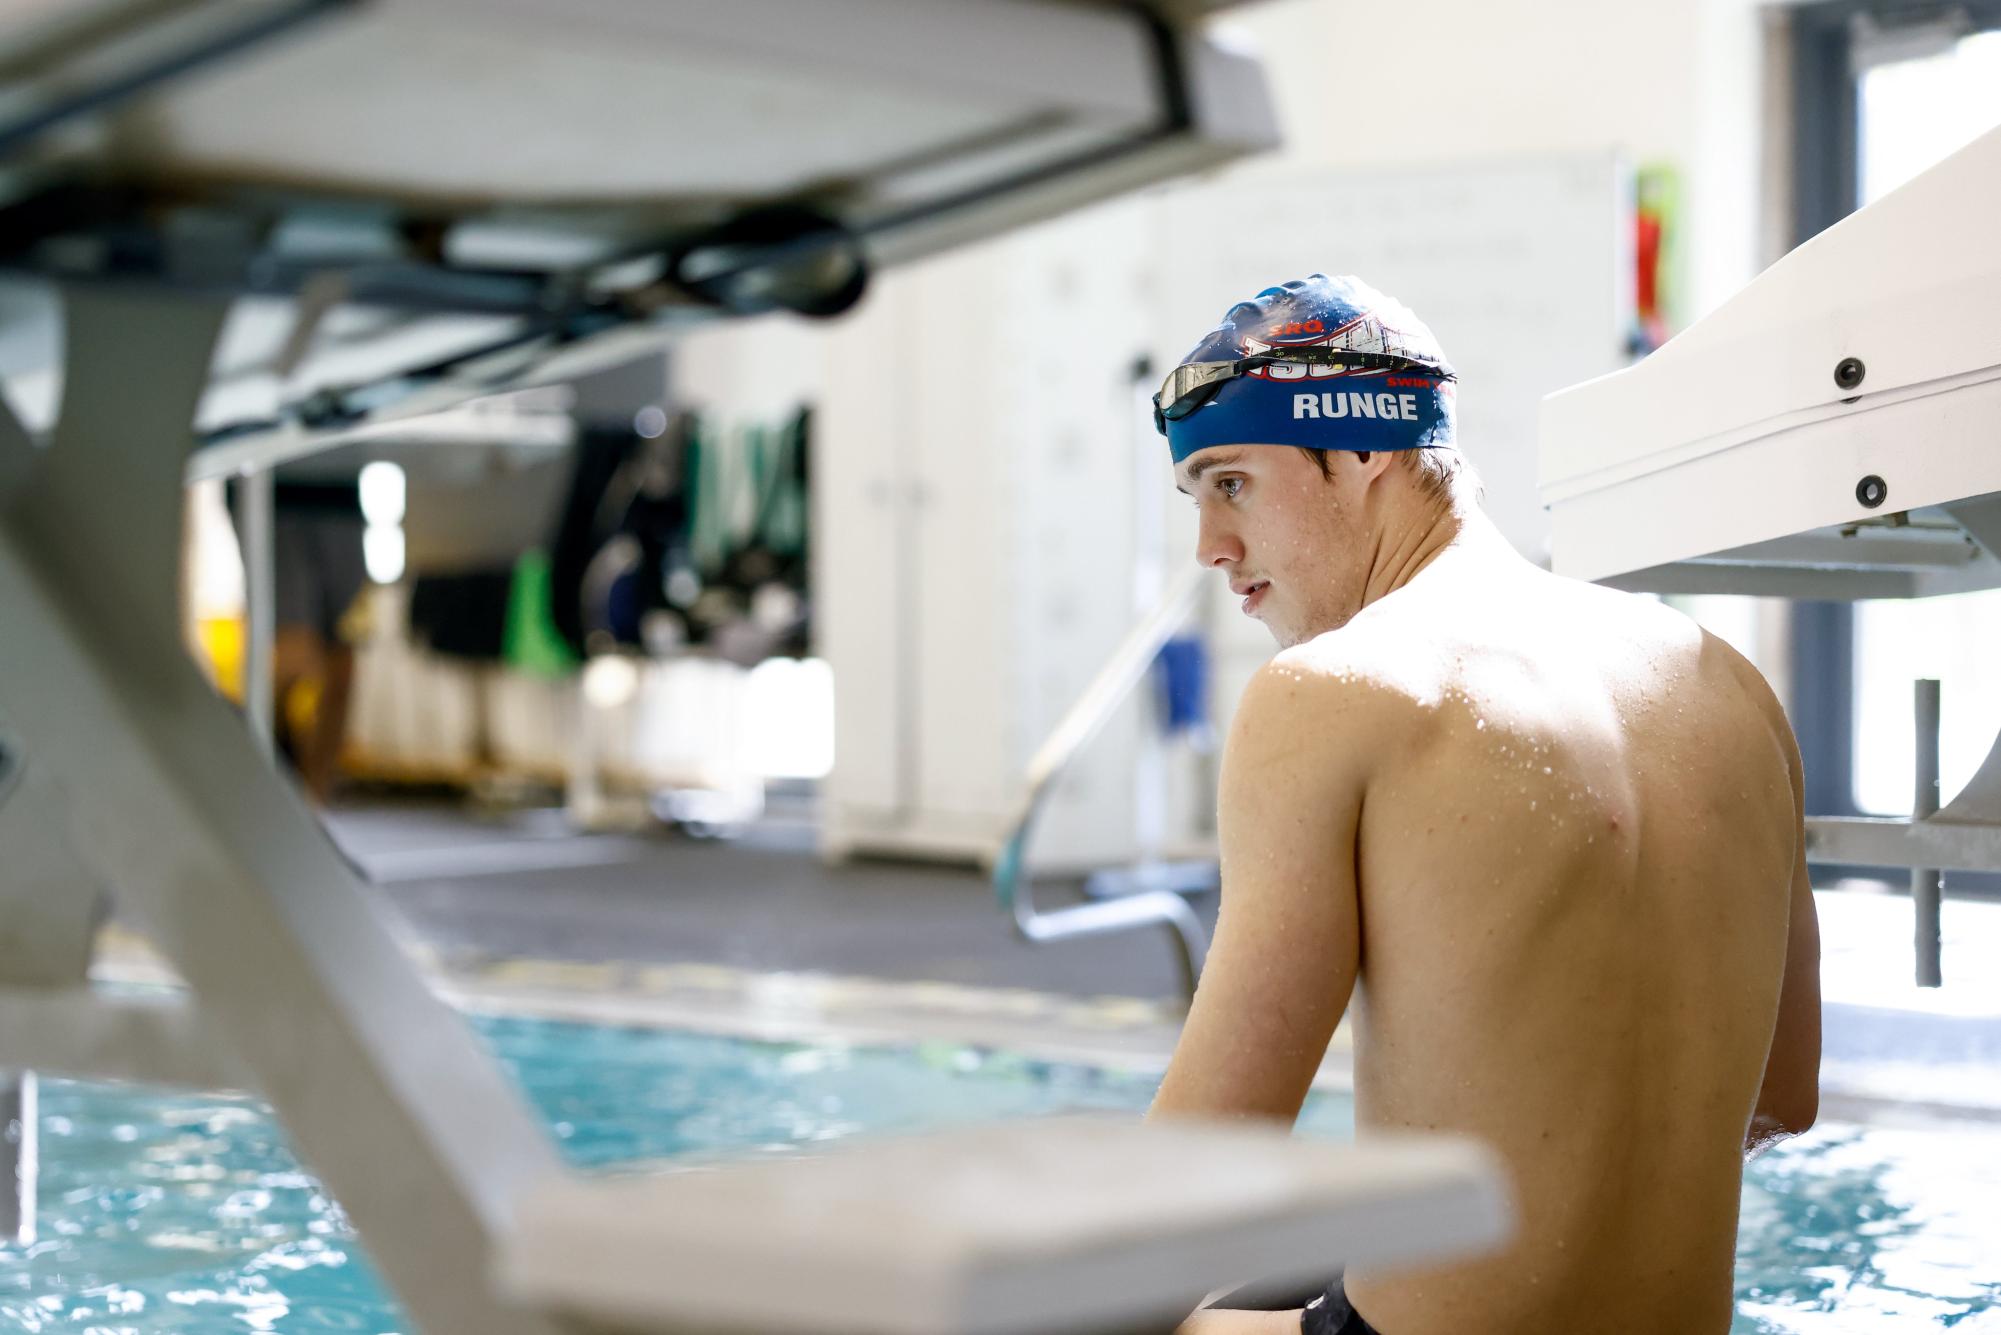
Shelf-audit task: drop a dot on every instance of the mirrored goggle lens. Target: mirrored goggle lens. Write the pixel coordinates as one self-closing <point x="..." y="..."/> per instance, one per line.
<point x="1189" y="387"/>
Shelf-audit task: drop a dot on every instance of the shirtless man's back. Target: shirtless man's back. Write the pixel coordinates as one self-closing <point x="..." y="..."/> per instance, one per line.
<point x="1586" y="840"/>
<point x="1553" y="832"/>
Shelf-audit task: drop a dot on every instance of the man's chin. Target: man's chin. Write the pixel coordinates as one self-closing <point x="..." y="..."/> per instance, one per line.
<point x="1292" y="635"/>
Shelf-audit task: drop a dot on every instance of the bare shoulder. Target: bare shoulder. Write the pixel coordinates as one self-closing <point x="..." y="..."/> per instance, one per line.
<point x="1720" y="664"/>
<point x="1722" y="668"/>
<point x="1348" y="684"/>
<point x="1304" y="749"/>
<point x="1744" y="674"/>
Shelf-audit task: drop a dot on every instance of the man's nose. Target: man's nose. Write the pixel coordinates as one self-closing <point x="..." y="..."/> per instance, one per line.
<point x="1216" y="544"/>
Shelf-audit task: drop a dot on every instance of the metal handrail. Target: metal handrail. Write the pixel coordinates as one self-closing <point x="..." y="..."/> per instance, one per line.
<point x="1079" y="724"/>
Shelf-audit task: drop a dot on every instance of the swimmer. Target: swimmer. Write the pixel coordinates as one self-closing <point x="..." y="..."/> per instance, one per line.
<point x="1545" y="837"/>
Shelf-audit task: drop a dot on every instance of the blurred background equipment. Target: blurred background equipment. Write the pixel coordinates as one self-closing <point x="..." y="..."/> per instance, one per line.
<point x="404" y="245"/>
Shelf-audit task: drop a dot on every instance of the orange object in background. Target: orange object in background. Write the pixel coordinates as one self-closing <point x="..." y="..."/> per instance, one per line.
<point x="1656" y="220"/>
<point x="220" y="656"/>
<point x="301" y="706"/>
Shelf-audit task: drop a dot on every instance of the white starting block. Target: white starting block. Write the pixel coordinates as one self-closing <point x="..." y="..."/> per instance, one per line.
<point x="1828" y="432"/>
<point x="1034" y="1228"/>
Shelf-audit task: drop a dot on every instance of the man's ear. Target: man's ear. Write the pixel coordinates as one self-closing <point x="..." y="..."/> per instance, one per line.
<point x="1373" y="464"/>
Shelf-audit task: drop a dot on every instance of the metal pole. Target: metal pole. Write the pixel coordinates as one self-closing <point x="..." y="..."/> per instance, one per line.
<point x="18" y="1146"/>
<point x="1927" y="883"/>
<point x="255" y="523"/>
<point x="17" y="1111"/>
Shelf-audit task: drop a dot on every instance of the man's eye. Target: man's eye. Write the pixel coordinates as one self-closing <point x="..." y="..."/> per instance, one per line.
<point x="1230" y="486"/>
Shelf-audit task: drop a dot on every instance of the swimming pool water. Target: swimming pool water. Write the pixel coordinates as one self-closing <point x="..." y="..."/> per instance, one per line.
<point x="187" y="1212"/>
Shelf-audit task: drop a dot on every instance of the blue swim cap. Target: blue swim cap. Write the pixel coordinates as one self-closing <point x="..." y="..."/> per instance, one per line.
<point x="1322" y="407"/>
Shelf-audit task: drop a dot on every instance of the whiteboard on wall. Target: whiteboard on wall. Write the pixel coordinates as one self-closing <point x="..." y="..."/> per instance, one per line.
<point x="1522" y="267"/>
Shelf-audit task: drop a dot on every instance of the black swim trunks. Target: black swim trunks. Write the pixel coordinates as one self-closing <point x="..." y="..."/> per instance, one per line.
<point x="1327" y="1310"/>
<point x="1332" y="1314"/>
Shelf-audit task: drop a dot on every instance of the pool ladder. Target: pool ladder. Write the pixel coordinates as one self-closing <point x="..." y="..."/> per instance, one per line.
<point x="1079" y="724"/>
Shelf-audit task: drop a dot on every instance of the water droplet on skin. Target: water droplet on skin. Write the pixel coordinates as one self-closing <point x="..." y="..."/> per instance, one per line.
<point x="1480" y="725"/>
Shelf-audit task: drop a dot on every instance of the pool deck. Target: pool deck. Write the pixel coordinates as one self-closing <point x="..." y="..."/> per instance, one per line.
<point x="757" y="938"/>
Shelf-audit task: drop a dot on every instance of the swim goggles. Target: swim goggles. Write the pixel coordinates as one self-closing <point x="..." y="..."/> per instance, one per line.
<point x="1193" y="384"/>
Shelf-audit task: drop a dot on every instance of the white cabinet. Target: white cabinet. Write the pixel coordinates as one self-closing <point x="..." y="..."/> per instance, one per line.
<point x="974" y="484"/>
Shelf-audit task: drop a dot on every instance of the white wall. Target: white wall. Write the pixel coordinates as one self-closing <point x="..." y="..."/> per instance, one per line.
<point x="1673" y="81"/>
